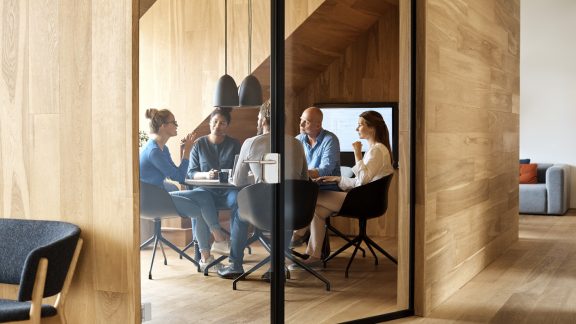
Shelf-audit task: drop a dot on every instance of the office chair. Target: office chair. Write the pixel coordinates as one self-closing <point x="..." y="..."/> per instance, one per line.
<point x="40" y="257"/>
<point x="363" y="203"/>
<point x="156" y="204"/>
<point x="255" y="207"/>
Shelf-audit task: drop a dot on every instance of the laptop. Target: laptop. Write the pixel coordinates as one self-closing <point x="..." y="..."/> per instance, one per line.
<point x="231" y="176"/>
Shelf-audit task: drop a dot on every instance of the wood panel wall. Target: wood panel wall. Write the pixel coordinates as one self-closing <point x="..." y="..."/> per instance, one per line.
<point x="182" y="56"/>
<point x="467" y="142"/>
<point x="66" y="139"/>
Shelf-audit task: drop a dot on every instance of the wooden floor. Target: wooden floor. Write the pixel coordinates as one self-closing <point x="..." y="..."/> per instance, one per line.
<point x="533" y="282"/>
<point x="181" y="295"/>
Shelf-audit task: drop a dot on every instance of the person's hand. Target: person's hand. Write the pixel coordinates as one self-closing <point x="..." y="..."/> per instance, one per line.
<point x="186" y="144"/>
<point x="327" y="179"/>
<point x="213" y="174"/>
<point x="313" y="173"/>
<point x="357" y="146"/>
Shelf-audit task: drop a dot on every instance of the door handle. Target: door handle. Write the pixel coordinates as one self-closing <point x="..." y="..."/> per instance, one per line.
<point x="270" y="167"/>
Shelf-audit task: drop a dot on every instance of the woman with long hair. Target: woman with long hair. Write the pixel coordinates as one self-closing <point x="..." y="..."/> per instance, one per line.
<point x="375" y="164"/>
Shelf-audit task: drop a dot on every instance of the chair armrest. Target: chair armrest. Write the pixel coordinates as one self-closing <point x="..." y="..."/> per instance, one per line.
<point x="558" y="188"/>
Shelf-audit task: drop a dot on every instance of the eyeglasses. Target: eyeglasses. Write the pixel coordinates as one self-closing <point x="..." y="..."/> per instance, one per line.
<point x="173" y="122"/>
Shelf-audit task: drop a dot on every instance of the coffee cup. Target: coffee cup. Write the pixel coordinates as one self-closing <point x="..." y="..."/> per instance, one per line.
<point x="229" y="171"/>
<point x="223" y="176"/>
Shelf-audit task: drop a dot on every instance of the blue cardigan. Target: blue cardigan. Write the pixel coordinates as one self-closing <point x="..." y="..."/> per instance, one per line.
<point x="157" y="165"/>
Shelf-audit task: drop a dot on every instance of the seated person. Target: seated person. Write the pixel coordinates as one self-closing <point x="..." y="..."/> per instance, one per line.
<point x="210" y="154"/>
<point x="254" y="148"/>
<point x="322" y="150"/>
<point x="156" y="165"/>
<point x="376" y="164"/>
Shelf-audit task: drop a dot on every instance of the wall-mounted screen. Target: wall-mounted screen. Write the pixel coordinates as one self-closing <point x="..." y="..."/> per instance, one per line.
<point x="342" y="120"/>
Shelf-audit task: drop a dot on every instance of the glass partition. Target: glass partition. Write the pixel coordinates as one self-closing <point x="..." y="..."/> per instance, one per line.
<point x="290" y="244"/>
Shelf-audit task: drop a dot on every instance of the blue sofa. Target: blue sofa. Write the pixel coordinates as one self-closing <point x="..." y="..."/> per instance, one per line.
<point x="551" y="195"/>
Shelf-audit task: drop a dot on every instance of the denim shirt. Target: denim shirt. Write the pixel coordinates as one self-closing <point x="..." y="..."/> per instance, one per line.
<point x="324" y="155"/>
<point x="206" y="156"/>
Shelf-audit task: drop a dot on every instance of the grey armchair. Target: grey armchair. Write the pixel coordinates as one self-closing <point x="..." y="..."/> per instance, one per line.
<point x="551" y="195"/>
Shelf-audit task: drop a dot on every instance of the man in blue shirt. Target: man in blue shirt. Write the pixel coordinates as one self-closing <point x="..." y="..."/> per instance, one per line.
<point x="322" y="147"/>
<point x="322" y="150"/>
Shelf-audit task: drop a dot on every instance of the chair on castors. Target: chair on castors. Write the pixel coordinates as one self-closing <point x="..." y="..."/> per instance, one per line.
<point x="40" y="257"/>
<point x="363" y="203"/>
<point x="255" y="207"/>
<point x="156" y="204"/>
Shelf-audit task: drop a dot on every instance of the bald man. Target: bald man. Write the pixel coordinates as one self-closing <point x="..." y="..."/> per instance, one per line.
<point x="322" y="147"/>
<point x="322" y="150"/>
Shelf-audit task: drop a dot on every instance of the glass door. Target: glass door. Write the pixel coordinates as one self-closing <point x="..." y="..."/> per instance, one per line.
<point x="347" y="100"/>
<point x="320" y="65"/>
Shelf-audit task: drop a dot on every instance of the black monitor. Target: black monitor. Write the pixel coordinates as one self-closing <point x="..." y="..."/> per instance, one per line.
<point x="342" y="120"/>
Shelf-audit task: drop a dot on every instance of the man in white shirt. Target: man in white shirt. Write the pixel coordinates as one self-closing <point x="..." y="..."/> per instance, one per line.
<point x="255" y="148"/>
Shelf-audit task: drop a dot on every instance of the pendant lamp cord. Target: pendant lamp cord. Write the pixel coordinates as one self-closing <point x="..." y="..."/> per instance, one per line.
<point x="249" y="37"/>
<point x="225" y="36"/>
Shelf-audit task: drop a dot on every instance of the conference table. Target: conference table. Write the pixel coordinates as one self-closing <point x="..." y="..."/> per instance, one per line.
<point x="212" y="183"/>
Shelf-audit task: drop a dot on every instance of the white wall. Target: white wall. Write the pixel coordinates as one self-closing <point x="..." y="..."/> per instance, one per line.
<point x="548" y="83"/>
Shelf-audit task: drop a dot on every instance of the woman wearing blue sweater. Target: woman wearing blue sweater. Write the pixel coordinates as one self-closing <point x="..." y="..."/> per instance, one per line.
<point x="156" y="165"/>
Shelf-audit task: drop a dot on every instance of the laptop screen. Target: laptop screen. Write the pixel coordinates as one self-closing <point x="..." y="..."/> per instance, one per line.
<point x="234" y="167"/>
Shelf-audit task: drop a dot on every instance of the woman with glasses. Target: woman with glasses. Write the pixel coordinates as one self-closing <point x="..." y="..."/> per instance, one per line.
<point x="156" y="165"/>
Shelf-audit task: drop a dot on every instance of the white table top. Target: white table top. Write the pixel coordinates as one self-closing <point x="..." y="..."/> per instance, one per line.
<point x="209" y="183"/>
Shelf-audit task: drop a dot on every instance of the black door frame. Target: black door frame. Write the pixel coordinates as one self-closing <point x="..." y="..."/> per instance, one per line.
<point x="277" y="96"/>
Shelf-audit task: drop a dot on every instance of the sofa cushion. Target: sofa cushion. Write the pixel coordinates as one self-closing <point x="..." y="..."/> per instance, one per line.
<point x="528" y="173"/>
<point x="524" y="161"/>
<point x="533" y="198"/>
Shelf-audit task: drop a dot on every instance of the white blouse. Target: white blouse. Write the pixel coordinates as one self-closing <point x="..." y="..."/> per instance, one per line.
<point x="374" y="165"/>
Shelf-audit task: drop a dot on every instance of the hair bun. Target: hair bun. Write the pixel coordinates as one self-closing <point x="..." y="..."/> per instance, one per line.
<point x="151" y="112"/>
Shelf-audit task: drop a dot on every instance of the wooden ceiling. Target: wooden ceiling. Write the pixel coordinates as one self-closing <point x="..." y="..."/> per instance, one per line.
<point x="323" y="38"/>
<point x="319" y="40"/>
<point x="145" y="5"/>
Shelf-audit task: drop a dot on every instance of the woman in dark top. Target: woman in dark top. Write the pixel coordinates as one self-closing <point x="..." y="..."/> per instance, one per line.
<point x="210" y="154"/>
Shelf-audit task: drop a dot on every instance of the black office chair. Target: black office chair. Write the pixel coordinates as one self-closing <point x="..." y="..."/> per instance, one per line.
<point x="255" y="207"/>
<point x="40" y="258"/>
<point x="156" y="204"/>
<point x="363" y="203"/>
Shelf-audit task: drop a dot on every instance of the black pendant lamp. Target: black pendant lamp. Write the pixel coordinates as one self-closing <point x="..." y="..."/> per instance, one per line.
<point x="250" y="91"/>
<point x="226" y="94"/>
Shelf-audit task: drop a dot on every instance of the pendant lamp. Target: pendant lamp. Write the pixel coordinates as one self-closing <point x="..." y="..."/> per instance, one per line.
<point x="226" y="94"/>
<point x="250" y="91"/>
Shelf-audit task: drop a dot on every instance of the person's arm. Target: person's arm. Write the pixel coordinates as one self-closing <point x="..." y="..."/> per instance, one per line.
<point x="165" y="164"/>
<point x="194" y="171"/>
<point x="367" y="168"/>
<point x="330" y="160"/>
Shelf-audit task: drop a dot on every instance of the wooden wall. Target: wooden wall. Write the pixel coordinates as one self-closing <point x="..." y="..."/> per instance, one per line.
<point x="182" y="55"/>
<point x="66" y="148"/>
<point x="467" y="142"/>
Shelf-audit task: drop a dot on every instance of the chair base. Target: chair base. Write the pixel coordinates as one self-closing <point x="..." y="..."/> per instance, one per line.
<point x="288" y="254"/>
<point x="356" y="242"/>
<point x="326" y="244"/>
<point x="158" y="238"/>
